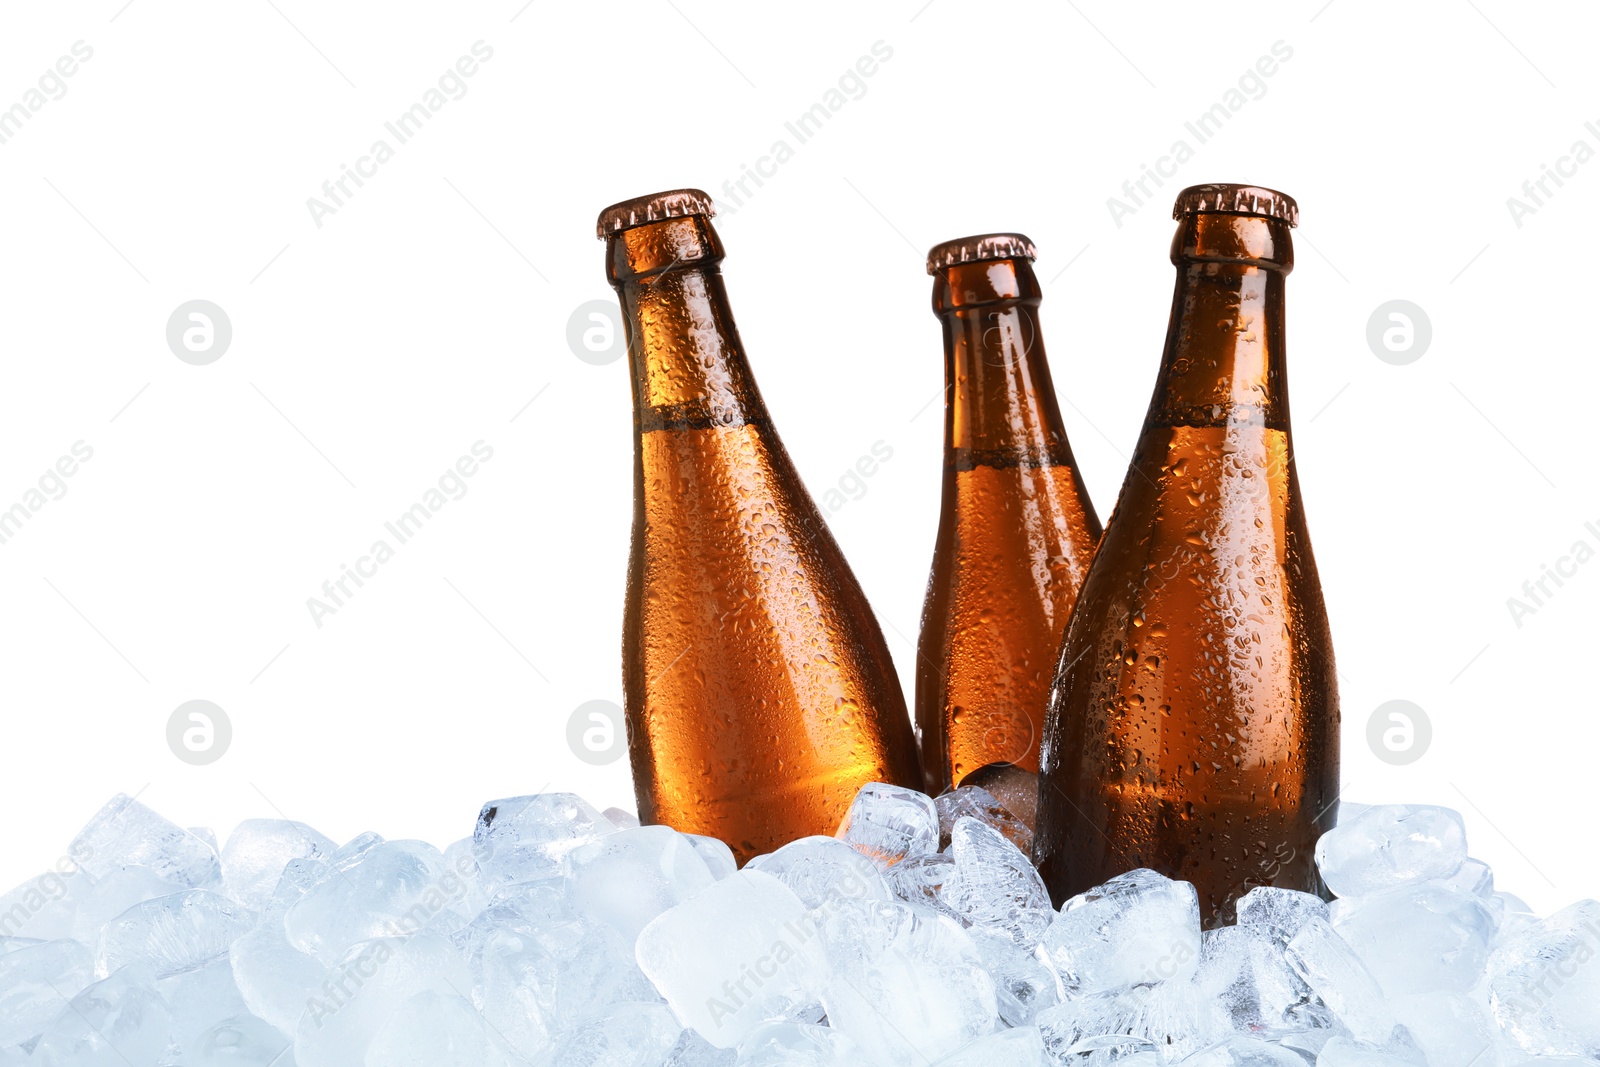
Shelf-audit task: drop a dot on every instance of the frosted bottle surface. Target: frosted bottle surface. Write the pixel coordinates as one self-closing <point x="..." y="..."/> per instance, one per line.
<point x="759" y="692"/>
<point x="1193" y="723"/>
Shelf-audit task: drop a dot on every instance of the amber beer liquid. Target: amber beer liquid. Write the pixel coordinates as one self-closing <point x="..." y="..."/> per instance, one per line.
<point x="1193" y="723"/>
<point x="1016" y="528"/>
<point x="759" y="693"/>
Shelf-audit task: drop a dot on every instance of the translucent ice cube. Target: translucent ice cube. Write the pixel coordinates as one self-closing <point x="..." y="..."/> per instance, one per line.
<point x="739" y="953"/>
<point x="126" y="833"/>
<point x="719" y="857"/>
<point x="115" y="1022"/>
<point x="1023" y="985"/>
<point x="113" y="895"/>
<point x="627" y="878"/>
<point x="621" y="818"/>
<point x="979" y="803"/>
<point x="275" y="978"/>
<point x="1449" y="1027"/>
<point x="888" y="823"/>
<point x="907" y="984"/>
<point x="242" y="1041"/>
<point x="629" y="1035"/>
<point x="1136" y="929"/>
<point x="1169" y="1021"/>
<point x="45" y="907"/>
<point x="1391" y="845"/>
<point x="994" y="884"/>
<point x="397" y="889"/>
<point x="259" y="849"/>
<point x="1021" y="1047"/>
<point x="173" y="934"/>
<point x="1285" y="909"/>
<point x="1544" y="984"/>
<point x="1242" y="1051"/>
<point x="920" y="880"/>
<point x="800" y="1045"/>
<point x="1344" y="1051"/>
<point x="520" y="839"/>
<point x="692" y="1050"/>
<point x="35" y="984"/>
<point x="819" y="869"/>
<point x="201" y="998"/>
<point x="1420" y="938"/>
<point x="435" y="1030"/>
<point x="1243" y="969"/>
<point x="1333" y="970"/>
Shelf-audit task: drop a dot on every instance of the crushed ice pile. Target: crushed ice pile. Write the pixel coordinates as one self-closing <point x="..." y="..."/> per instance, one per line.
<point x="558" y="936"/>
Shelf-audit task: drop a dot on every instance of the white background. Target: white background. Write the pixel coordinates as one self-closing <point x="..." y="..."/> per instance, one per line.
<point x="426" y="313"/>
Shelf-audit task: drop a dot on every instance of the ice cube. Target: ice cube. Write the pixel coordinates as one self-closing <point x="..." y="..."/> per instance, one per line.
<point x="113" y="895"/>
<point x="982" y="805"/>
<point x="115" y="1022"/>
<point x="1168" y="1021"/>
<point x="35" y="984"/>
<point x="259" y="849"/>
<point x="520" y="839"/>
<point x="1023" y="985"/>
<point x="739" y="953"/>
<point x="459" y="857"/>
<point x="629" y="1035"/>
<point x="800" y="1045"/>
<point x="1333" y="970"/>
<point x="126" y="833"/>
<point x="45" y="907"/>
<point x="719" y="857"/>
<point x="1344" y="1051"/>
<point x="1242" y="1051"/>
<point x="172" y="934"/>
<point x="692" y="1050"/>
<point x="819" y="869"/>
<point x="1243" y="969"/>
<point x="1137" y="929"/>
<point x="627" y="878"/>
<point x="1475" y="877"/>
<point x="1285" y="909"/>
<point x="920" y="880"/>
<point x="275" y="978"/>
<point x="435" y="1030"/>
<point x="1450" y="1027"/>
<point x="621" y="818"/>
<point x="994" y="884"/>
<point x="242" y="1041"/>
<point x="368" y="986"/>
<point x="201" y="998"/>
<point x="888" y="823"/>
<point x="1021" y="1047"/>
<point x="907" y="984"/>
<point x="397" y="889"/>
<point x="1391" y="845"/>
<point x="1420" y="938"/>
<point x="1544" y="984"/>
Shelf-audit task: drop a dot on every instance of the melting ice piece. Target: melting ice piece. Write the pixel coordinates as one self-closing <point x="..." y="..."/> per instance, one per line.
<point x="368" y="986"/>
<point x="994" y="884"/>
<point x="1390" y="845"/>
<point x="1168" y="1021"/>
<point x="920" y="880"/>
<point x="1344" y="1051"/>
<point x="114" y="894"/>
<point x="521" y="839"/>
<point x="1021" y="1047"/>
<point x="35" y="984"/>
<point x="435" y="1030"/>
<point x="1023" y="985"/>
<point x="242" y="1041"/>
<point x="1242" y="1051"/>
<point x="889" y="823"/>
<point x="692" y="1050"/>
<point x="627" y="878"/>
<point x="820" y="869"/>
<point x="1244" y="970"/>
<point x="1449" y="1027"/>
<point x="113" y="1023"/>
<point x="275" y="978"/>
<point x="173" y="934"/>
<point x="1136" y="929"/>
<point x="126" y="833"/>
<point x="257" y="852"/>
<point x="719" y="857"/>
<point x="201" y="998"/>
<point x="1285" y="909"/>
<point x="1420" y="938"/>
<point x="629" y="1034"/>
<point x="741" y="952"/>
<point x="800" y="1045"/>
<point x="907" y="984"/>
<point x="621" y="818"/>
<point x="1544" y="983"/>
<point x="396" y="889"/>
<point x="982" y="805"/>
<point x="1331" y="968"/>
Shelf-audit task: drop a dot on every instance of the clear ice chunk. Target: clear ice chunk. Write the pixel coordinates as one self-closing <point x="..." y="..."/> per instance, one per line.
<point x="1391" y="845"/>
<point x="1136" y="929"/>
<point x="36" y="982"/>
<point x="979" y="803"/>
<point x="819" y="869"/>
<point x="172" y="934"/>
<point x="1544" y="984"/>
<point x="257" y="852"/>
<point x="1020" y="1047"/>
<point x="800" y="1045"/>
<point x="115" y="1022"/>
<point x="1333" y="970"/>
<point x="521" y="839"/>
<point x="627" y="878"/>
<point x="395" y="889"/>
<point x="1243" y="969"/>
<point x="125" y="833"/>
<point x="889" y="823"/>
<point x="1420" y="938"/>
<point x="1285" y="909"/>
<point x="994" y="884"/>
<point x="436" y="1030"/>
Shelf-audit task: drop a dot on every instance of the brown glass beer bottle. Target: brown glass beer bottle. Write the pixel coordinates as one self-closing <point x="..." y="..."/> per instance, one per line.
<point x="1016" y="528"/>
<point x="1194" y="719"/>
<point x="759" y="692"/>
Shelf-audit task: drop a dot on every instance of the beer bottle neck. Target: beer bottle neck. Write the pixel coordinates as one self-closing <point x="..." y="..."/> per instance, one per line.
<point x="1002" y="406"/>
<point x="689" y="368"/>
<point x="1223" y="363"/>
